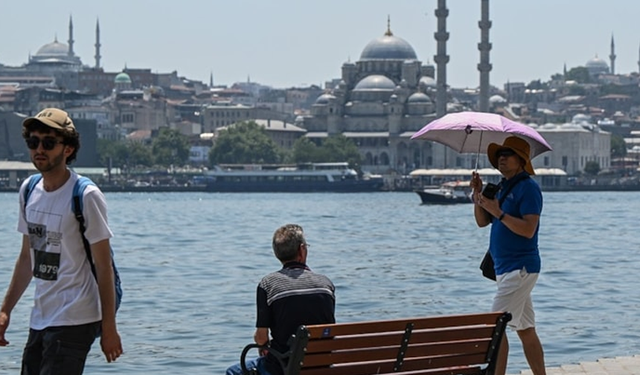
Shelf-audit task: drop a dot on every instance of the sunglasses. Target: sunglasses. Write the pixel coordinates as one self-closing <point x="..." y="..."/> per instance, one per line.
<point x="506" y="153"/>
<point x="48" y="143"/>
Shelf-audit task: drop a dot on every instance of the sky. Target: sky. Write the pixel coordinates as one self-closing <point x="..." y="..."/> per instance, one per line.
<point x="295" y="43"/>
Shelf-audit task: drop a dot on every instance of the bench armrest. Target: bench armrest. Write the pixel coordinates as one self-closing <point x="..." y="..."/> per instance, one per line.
<point x="281" y="357"/>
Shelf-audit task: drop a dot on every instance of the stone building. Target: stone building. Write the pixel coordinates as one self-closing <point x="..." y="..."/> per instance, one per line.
<point x="380" y="101"/>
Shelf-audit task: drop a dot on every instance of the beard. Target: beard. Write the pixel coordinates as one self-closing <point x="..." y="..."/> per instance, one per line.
<point x="50" y="164"/>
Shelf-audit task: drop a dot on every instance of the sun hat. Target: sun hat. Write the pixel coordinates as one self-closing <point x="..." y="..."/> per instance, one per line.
<point x="517" y="145"/>
<point x="51" y="117"/>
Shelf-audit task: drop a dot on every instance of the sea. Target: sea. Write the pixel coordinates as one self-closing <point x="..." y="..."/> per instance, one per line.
<point x="190" y="264"/>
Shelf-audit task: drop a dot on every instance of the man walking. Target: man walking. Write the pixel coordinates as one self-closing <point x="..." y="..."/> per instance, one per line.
<point x="71" y="305"/>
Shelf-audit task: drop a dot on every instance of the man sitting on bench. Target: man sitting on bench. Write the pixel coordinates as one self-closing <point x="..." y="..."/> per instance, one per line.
<point x="288" y="298"/>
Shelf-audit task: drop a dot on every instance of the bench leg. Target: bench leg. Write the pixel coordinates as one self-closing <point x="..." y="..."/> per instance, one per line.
<point x="503" y="356"/>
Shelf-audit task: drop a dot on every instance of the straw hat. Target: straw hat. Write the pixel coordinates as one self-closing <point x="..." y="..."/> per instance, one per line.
<point x="517" y="145"/>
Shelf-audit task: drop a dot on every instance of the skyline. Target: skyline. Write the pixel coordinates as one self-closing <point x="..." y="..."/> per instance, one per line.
<point x="288" y="43"/>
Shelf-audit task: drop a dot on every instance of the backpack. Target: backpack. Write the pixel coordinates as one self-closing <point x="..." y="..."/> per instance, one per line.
<point x="76" y="207"/>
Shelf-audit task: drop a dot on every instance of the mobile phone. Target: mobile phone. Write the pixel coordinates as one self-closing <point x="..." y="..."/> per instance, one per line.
<point x="490" y="190"/>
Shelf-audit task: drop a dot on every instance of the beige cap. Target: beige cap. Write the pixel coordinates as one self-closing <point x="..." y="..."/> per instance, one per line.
<point x="53" y="118"/>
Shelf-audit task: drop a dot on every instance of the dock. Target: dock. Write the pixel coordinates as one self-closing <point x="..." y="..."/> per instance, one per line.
<point x="604" y="366"/>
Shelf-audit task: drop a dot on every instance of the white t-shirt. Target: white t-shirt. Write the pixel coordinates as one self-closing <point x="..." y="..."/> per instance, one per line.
<point x="66" y="290"/>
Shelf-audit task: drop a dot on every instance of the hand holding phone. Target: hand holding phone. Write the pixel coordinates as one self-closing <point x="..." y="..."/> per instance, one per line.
<point x="490" y="190"/>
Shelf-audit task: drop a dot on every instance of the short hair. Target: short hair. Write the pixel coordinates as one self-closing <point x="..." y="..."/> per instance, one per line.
<point x="70" y="136"/>
<point x="287" y="240"/>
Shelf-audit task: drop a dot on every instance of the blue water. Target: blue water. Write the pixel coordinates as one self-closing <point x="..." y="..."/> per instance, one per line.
<point x="190" y="263"/>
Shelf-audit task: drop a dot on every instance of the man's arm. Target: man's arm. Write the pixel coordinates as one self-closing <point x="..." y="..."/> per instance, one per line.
<point x="110" y="340"/>
<point x="525" y="227"/>
<point x="19" y="282"/>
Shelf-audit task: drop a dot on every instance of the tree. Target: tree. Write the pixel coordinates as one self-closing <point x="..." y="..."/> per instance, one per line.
<point x="336" y="148"/>
<point x="124" y="153"/>
<point x="618" y="146"/>
<point x="591" y="168"/>
<point x="341" y="148"/>
<point x="170" y="147"/>
<point x="579" y="74"/>
<point x="244" y="142"/>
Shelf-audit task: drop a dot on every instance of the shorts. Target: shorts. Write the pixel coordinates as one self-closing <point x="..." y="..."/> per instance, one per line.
<point x="514" y="296"/>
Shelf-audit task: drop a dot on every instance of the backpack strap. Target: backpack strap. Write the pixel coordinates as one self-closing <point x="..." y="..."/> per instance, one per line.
<point x="76" y="207"/>
<point x="33" y="181"/>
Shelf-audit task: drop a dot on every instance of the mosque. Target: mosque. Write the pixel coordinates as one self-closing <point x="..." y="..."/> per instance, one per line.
<point x="380" y="101"/>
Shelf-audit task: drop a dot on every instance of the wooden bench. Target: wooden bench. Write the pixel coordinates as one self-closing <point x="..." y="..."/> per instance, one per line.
<point x="456" y="344"/>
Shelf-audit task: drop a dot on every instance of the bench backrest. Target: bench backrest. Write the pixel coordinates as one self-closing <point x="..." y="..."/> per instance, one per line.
<point x="455" y="344"/>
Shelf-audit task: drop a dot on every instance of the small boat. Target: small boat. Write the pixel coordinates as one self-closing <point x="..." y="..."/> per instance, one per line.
<point x="447" y="193"/>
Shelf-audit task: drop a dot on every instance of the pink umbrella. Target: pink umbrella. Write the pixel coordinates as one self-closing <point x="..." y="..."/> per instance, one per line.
<point x="471" y="132"/>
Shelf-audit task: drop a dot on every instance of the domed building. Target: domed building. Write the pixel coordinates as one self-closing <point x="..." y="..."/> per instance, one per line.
<point x="597" y="66"/>
<point x="56" y="56"/>
<point x="380" y="102"/>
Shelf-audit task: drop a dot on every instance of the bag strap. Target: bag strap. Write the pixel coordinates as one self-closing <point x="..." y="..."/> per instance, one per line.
<point x="76" y="206"/>
<point x="503" y="196"/>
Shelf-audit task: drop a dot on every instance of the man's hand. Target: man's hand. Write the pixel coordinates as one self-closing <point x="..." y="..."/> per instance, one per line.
<point x="111" y="345"/>
<point x="4" y="324"/>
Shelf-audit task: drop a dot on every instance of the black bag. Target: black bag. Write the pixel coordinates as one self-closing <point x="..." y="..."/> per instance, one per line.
<point x="487" y="267"/>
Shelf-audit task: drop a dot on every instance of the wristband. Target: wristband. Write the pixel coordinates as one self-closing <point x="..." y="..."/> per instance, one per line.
<point x="501" y="216"/>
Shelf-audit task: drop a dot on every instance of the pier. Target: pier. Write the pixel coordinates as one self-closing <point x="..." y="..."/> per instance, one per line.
<point x="604" y="366"/>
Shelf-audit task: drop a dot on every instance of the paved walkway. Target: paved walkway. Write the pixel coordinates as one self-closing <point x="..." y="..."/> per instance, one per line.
<point x="605" y="366"/>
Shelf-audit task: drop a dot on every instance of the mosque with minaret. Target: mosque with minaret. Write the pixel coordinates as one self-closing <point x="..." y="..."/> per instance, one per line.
<point x="379" y="102"/>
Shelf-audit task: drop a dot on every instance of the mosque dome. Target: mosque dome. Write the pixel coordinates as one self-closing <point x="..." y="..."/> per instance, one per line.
<point x="427" y="81"/>
<point x="581" y="118"/>
<point x="497" y="99"/>
<point x="122" y="77"/>
<point x="418" y="97"/>
<point x="597" y="66"/>
<point x="375" y="82"/>
<point x="54" y="48"/>
<point x="388" y="47"/>
<point x="324" y="99"/>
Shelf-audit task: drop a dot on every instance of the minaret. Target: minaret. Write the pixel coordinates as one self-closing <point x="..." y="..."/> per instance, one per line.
<point x="484" y="67"/>
<point x="97" y="45"/>
<point x="441" y="59"/>
<point x="612" y="56"/>
<point x="211" y="79"/>
<point x="638" y="59"/>
<point x="70" y="36"/>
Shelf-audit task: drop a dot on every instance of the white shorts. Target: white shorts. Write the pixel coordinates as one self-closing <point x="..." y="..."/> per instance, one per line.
<point x="514" y="296"/>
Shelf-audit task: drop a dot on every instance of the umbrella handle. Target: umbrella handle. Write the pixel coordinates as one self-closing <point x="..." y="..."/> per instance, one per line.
<point x="478" y="154"/>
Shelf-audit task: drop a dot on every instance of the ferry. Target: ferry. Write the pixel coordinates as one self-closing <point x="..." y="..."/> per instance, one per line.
<point x="301" y="178"/>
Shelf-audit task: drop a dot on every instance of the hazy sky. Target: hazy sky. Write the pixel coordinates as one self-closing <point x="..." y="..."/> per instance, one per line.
<point x="284" y="43"/>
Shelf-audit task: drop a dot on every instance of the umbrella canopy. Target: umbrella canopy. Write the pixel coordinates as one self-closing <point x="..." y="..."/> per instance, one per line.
<point x="471" y="132"/>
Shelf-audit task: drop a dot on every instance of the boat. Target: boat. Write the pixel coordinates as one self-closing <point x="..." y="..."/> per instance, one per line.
<point x="302" y="178"/>
<point x="451" y="192"/>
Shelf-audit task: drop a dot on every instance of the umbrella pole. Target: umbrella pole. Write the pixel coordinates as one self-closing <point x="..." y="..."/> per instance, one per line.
<point x="478" y="154"/>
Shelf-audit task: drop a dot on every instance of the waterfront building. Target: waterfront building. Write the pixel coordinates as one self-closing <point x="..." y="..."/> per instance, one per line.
<point x="574" y="144"/>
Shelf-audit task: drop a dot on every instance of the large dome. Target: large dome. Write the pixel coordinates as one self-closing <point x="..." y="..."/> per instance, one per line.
<point x="388" y="47"/>
<point x="597" y="66"/>
<point x="375" y="82"/>
<point x="54" y="48"/>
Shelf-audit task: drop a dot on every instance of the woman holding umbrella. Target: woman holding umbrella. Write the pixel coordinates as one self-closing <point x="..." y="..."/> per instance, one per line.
<point x="514" y="215"/>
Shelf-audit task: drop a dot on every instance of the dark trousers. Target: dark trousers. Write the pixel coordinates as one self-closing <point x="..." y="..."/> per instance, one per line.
<point x="58" y="350"/>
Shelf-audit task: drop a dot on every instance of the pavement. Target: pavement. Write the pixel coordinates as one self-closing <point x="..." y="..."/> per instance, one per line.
<point x="604" y="366"/>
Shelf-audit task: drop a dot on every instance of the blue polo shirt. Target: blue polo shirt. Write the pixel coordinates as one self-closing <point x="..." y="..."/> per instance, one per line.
<point x="511" y="251"/>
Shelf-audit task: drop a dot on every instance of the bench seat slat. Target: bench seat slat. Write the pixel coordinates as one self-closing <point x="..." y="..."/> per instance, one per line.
<point x="391" y="352"/>
<point x="383" y="367"/>
<point x="330" y="330"/>
<point x="382" y="339"/>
